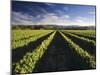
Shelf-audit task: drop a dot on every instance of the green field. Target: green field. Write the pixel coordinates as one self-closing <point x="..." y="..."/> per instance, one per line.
<point x="36" y="51"/>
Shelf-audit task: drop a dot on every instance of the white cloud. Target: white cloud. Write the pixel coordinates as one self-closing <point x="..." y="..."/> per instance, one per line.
<point x="79" y="19"/>
<point x="59" y="12"/>
<point x="54" y="19"/>
<point x="66" y="8"/>
<point x="91" y="12"/>
<point x="50" y="4"/>
<point x="22" y="16"/>
<point x="82" y="18"/>
<point x="19" y="18"/>
<point x="66" y="16"/>
<point x="40" y="9"/>
<point x="82" y="21"/>
<point x="43" y="10"/>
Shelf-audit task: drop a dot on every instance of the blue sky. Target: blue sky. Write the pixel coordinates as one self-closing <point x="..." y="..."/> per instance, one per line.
<point x="35" y="13"/>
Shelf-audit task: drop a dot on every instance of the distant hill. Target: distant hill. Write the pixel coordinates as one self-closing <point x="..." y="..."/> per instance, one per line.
<point x="76" y="27"/>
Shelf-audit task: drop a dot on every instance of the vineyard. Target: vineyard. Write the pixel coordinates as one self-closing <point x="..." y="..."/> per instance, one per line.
<point x="35" y="51"/>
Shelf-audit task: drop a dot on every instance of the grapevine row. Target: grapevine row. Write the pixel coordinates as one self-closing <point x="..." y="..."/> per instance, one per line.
<point x="92" y="42"/>
<point x="24" y="34"/>
<point x="24" y="42"/>
<point x="27" y="64"/>
<point x="89" y="59"/>
<point x="88" y="34"/>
